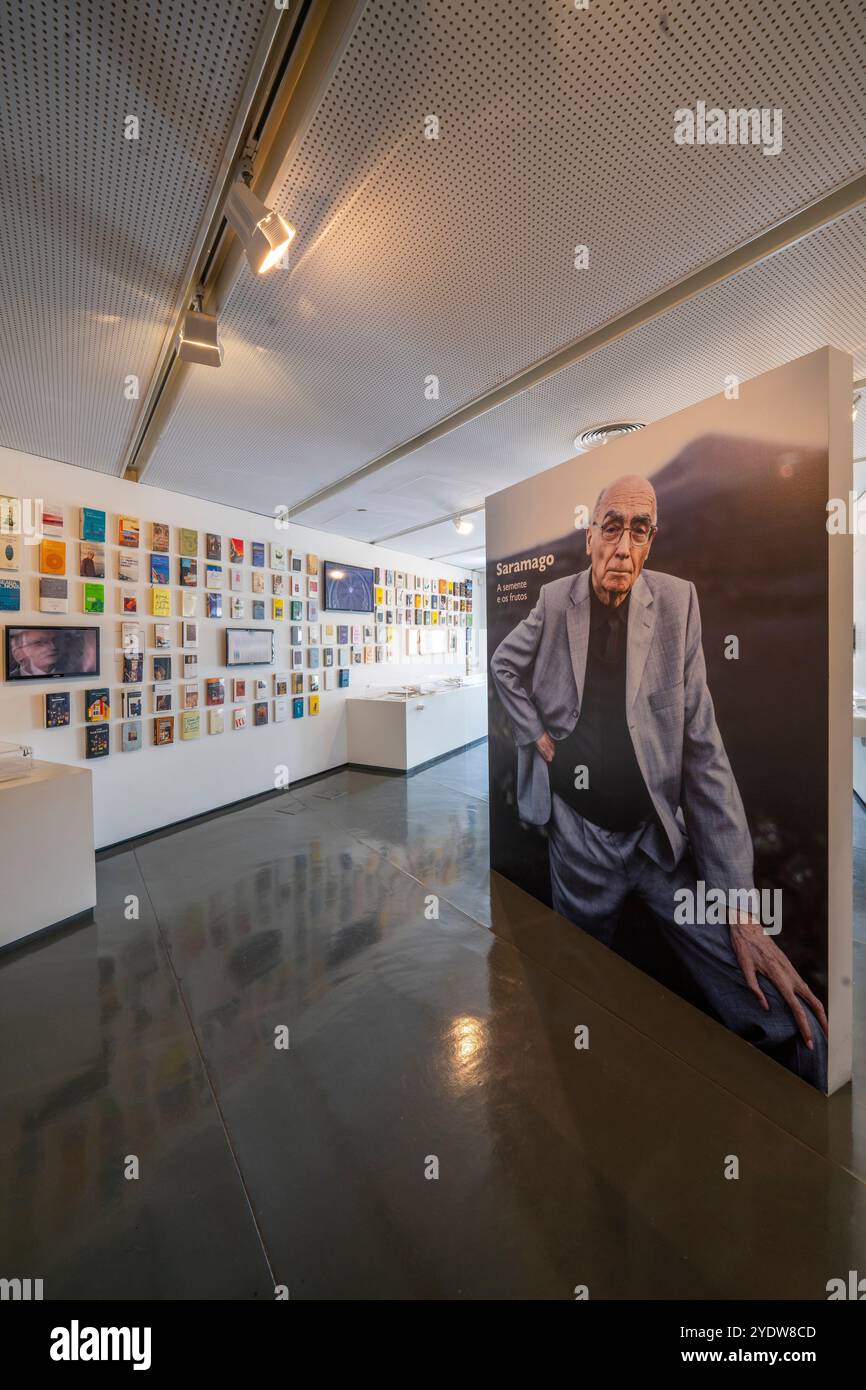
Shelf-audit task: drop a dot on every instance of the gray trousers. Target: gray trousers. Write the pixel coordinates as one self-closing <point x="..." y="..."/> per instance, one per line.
<point x="591" y="873"/>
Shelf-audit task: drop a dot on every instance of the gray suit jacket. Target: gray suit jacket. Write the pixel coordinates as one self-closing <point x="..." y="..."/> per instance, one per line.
<point x="539" y="671"/>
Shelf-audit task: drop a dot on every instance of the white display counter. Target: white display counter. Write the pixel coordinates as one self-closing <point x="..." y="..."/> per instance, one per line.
<point x="47" y="864"/>
<point x="405" y="731"/>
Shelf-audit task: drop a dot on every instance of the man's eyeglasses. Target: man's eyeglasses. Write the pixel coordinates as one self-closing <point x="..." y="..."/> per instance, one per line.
<point x="641" y="532"/>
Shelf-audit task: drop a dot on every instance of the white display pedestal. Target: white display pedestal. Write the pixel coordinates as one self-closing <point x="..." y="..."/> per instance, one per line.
<point x="47" y="864"/>
<point x="402" y="734"/>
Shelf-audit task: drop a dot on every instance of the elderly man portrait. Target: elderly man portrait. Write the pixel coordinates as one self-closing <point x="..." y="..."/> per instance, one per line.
<point x="620" y="757"/>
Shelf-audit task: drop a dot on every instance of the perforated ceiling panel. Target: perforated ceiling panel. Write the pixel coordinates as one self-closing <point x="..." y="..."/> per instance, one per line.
<point x="454" y="257"/>
<point x="95" y="228"/>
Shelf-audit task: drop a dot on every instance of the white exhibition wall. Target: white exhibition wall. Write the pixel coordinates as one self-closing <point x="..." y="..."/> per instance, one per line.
<point x="137" y="792"/>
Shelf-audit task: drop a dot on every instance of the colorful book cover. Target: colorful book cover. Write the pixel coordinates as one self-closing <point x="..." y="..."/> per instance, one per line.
<point x="239" y="688"/>
<point x="281" y="685"/>
<point x="162" y="636"/>
<point x="260" y="712"/>
<point x="190" y="695"/>
<point x="91" y="560"/>
<point x="297" y="682"/>
<point x="96" y="745"/>
<point x="159" y="536"/>
<point x="214" y="605"/>
<point x="342" y="634"/>
<point x="10" y="553"/>
<point x="133" y="668"/>
<point x="127" y="569"/>
<point x="257" y="555"/>
<point x="162" y="668"/>
<point x="213" y="577"/>
<point x="258" y="606"/>
<point x="188" y="541"/>
<point x="298" y="708"/>
<point x="239" y="717"/>
<point x="160" y="602"/>
<point x="188" y="572"/>
<point x="279" y="609"/>
<point x="216" y="722"/>
<point x="158" y="569"/>
<point x="215" y="691"/>
<point x="313" y="704"/>
<point x="128" y="531"/>
<point x="213" y="546"/>
<point x="94" y="598"/>
<point x="130" y="704"/>
<point x="162" y="699"/>
<point x="131" y="736"/>
<point x="57" y="712"/>
<point x="52" y="557"/>
<point x="236" y="550"/>
<point x="190" y="724"/>
<point x="96" y="706"/>
<point x="92" y="524"/>
<point x="343" y="678"/>
<point x="53" y="595"/>
<point x="10" y="595"/>
<point x="163" y="730"/>
<point x="312" y="564"/>
<point x="296" y="609"/>
<point x="130" y="603"/>
<point x="52" y="519"/>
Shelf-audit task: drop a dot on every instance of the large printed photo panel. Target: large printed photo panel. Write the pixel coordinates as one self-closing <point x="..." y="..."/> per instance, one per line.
<point x="669" y="638"/>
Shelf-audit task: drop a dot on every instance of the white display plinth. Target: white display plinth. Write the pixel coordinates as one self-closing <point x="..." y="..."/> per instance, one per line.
<point x="404" y="733"/>
<point x="47" y="864"/>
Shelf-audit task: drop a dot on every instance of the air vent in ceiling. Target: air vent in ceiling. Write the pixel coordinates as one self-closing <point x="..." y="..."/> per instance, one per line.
<point x="603" y="434"/>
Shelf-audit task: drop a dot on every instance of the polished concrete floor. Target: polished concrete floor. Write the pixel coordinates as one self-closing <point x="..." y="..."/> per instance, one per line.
<point x="416" y="1042"/>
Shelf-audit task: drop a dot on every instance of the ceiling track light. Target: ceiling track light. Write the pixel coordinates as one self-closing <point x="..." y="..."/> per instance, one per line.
<point x="198" y="340"/>
<point x="462" y="526"/>
<point x="263" y="233"/>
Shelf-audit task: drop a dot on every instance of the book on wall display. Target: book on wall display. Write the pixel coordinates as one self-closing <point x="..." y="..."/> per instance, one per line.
<point x="213" y="576"/>
<point x="10" y="595"/>
<point x="163" y="730"/>
<point x="327" y="656"/>
<point x="162" y="636"/>
<point x="57" y="709"/>
<point x="298" y="708"/>
<point x="10" y="516"/>
<point x="92" y="524"/>
<point x="162" y="699"/>
<point x="281" y="686"/>
<point x="313" y="682"/>
<point x="97" y="706"/>
<point x="239" y="717"/>
<point x="281" y="709"/>
<point x="190" y="695"/>
<point x="239" y="688"/>
<point x="342" y="634"/>
<point x="91" y="559"/>
<point x="129" y="603"/>
<point x="238" y="607"/>
<point x="236" y="579"/>
<point x="296" y="634"/>
<point x="96" y="741"/>
<point x="127" y="569"/>
<point x="296" y="610"/>
<point x="131" y="637"/>
<point x="297" y="658"/>
<point x="159" y="536"/>
<point x="296" y="562"/>
<point x="278" y="609"/>
<point x="278" y="584"/>
<point x="190" y="633"/>
<point x="314" y="634"/>
<point x="10" y="553"/>
<point x="329" y="679"/>
<point x="214" y="605"/>
<point x="257" y="581"/>
<point x="329" y="634"/>
<point x="161" y="669"/>
<point x="313" y="658"/>
<point x="52" y="519"/>
<point x="343" y="678"/>
<point x="128" y="532"/>
<point x="190" y="665"/>
<point x="312" y="564"/>
<point x="216" y="722"/>
<point x="94" y="598"/>
<point x="188" y="543"/>
<point x="159" y="568"/>
<point x="52" y="557"/>
<point x="215" y="691"/>
<point x="53" y="595"/>
<point x="189" y="607"/>
<point x="279" y="556"/>
<point x="236" y="550"/>
<point x="296" y="585"/>
<point x="190" y="724"/>
<point x="257" y="554"/>
<point x="313" y="704"/>
<point x="213" y="546"/>
<point x="130" y="704"/>
<point x="260" y="689"/>
<point x="297" y="682"/>
<point x="258" y="609"/>
<point x="343" y="657"/>
<point x="130" y="739"/>
<point x="313" y="586"/>
<point x="260" y="712"/>
<point x="312" y="610"/>
<point x="188" y="572"/>
<point x="133" y="668"/>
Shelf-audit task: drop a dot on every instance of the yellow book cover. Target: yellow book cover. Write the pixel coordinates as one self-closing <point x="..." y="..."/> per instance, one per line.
<point x="279" y="609"/>
<point x="314" y="704"/>
<point x="380" y="598"/>
<point x="52" y="557"/>
<point x="312" y="564"/>
<point x="190" y="724"/>
<point x="160" y="601"/>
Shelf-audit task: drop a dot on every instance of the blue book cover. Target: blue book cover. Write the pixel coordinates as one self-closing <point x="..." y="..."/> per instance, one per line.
<point x="258" y="553"/>
<point x="258" y="608"/>
<point x="159" y="569"/>
<point x="344" y="678"/>
<point x="92" y="524"/>
<point x="298" y="708"/>
<point x="10" y="595"/>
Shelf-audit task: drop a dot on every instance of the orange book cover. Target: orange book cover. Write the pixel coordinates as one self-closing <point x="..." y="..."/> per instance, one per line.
<point x="52" y="557"/>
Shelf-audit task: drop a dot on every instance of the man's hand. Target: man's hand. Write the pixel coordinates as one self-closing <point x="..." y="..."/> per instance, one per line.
<point x="546" y="747"/>
<point x="758" y="955"/>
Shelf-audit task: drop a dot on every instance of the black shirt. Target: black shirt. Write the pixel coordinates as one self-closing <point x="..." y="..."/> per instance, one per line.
<point x="612" y="792"/>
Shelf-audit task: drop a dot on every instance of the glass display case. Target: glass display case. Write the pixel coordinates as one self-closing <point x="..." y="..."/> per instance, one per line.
<point x="435" y="685"/>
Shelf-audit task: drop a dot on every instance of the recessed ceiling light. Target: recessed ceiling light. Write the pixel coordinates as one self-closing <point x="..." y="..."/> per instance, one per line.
<point x="463" y="527"/>
<point x="263" y="234"/>
<point x="603" y="434"/>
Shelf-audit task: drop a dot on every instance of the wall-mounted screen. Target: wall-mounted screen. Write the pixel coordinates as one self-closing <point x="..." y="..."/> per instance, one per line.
<point x="348" y="588"/>
<point x="51" y="653"/>
<point x="249" y="646"/>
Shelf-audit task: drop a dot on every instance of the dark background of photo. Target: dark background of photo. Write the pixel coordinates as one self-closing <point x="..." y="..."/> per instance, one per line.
<point x="745" y="522"/>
